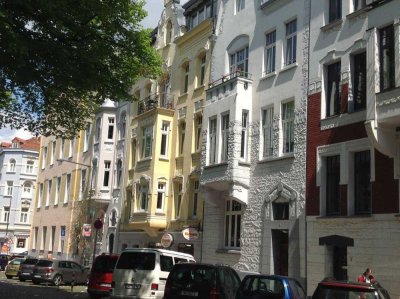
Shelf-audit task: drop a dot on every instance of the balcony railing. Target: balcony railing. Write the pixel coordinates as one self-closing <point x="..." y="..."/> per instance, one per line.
<point x="228" y="77"/>
<point x="159" y="100"/>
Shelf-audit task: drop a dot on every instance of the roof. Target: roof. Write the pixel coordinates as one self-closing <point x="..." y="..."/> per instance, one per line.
<point x="27" y="144"/>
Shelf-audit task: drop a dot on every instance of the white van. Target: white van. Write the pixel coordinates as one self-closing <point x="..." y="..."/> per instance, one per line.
<point x="143" y="272"/>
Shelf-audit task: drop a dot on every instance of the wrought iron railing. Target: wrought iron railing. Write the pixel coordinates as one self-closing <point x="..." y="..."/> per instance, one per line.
<point x="159" y="100"/>
<point x="230" y="76"/>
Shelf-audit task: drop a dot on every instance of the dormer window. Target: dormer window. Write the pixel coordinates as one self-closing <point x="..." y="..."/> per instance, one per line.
<point x="15" y="145"/>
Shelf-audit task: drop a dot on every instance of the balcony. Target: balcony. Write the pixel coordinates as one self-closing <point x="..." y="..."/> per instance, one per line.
<point x="388" y="107"/>
<point x="150" y="223"/>
<point x="160" y="100"/>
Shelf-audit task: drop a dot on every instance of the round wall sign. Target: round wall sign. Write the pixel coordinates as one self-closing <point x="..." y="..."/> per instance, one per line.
<point x="98" y="224"/>
<point x="167" y="240"/>
<point x="190" y="233"/>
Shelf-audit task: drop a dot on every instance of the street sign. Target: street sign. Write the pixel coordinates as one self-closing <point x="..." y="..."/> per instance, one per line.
<point x="87" y="230"/>
<point x="166" y="240"/>
<point x="98" y="224"/>
<point x="190" y="233"/>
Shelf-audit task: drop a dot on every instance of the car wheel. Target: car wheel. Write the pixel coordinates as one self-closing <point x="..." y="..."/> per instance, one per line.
<point x="21" y="279"/>
<point x="35" y="281"/>
<point x="93" y="296"/>
<point x="57" y="280"/>
<point x="9" y="276"/>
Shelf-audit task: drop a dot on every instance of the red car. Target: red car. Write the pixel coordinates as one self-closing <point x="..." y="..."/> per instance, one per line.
<point x="101" y="275"/>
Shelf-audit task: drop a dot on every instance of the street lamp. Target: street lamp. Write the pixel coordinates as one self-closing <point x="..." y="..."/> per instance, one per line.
<point x="89" y="197"/>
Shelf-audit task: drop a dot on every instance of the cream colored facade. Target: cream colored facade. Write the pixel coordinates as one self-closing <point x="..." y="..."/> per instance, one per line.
<point x="165" y="142"/>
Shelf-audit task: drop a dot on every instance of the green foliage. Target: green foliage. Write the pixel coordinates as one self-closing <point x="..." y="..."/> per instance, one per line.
<point x="61" y="59"/>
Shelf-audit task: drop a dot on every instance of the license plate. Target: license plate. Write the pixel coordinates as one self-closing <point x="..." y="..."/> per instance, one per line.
<point x="25" y="273"/>
<point x="132" y="286"/>
<point x="37" y="276"/>
<point x="189" y="293"/>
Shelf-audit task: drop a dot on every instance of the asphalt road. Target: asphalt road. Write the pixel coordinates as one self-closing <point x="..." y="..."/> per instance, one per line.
<point x="14" y="289"/>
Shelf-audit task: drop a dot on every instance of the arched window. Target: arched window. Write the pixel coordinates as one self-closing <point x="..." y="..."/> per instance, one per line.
<point x="29" y="167"/>
<point x="122" y="130"/>
<point x="27" y="189"/>
<point x="113" y="218"/>
<point x="11" y="165"/>
<point x="119" y="172"/>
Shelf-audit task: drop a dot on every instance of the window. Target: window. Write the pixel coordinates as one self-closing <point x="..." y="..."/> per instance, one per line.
<point x="107" y="169"/>
<point x="29" y="167"/>
<point x="225" y="137"/>
<point x="233" y="215"/>
<point x="27" y="190"/>
<point x="49" y="187"/>
<point x="333" y="90"/>
<point x="110" y="132"/>
<point x="386" y="58"/>
<point x="61" y="153"/>
<point x="97" y="130"/>
<point x="11" y="165"/>
<point x="288" y="127"/>
<point x="335" y="10"/>
<point x="291" y="42"/>
<point x="359" y="4"/>
<point x="270" y="52"/>
<point x="178" y="201"/>
<point x="164" y="139"/>
<point x="168" y="32"/>
<point x="23" y="217"/>
<point x="119" y="172"/>
<point x="9" y="190"/>
<point x="182" y="128"/>
<point x="195" y="17"/>
<point x="58" y="188"/>
<point x="67" y="188"/>
<point x="53" y="237"/>
<point x="239" y="5"/>
<point x="198" y="128"/>
<point x="21" y="243"/>
<point x="15" y="145"/>
<point x="53" y="152"/>
<point x="143" y="197"/>
<point x="239" y="62"/>
<point x="243" y="140"/>
<point x="40" y="196"/>
<point x="6" y="214"/>
<point x="195" y="198"/>
<point x="71" y="147"/>
<point x="113" y="218"/>
<point x="213" y="140"/>
<point x="360" y="81"/>
<point x="160" y="196"/>
<point x="44" y="237"/>
<point x="83" y="184"/>
<point x="332" y="185"/>
<point x="186" y="78"/>
<point x="122" y="126"/>
<point x="44" y="157"/>
<point x="147" y="138"/>
<point x="267" y="120"/>
<point x="202" y="69"/>
<point x="87" y="136"/>
<point x="362" y="182"/>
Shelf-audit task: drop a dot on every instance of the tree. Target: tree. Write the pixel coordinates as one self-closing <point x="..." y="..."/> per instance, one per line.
<point x="61" y="59"/>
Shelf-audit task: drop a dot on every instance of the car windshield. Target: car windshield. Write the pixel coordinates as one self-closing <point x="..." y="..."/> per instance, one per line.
<point x="44" y="263"/>
<point x="343" y="293"/>
<point x="104" y="264"/>
<point x="16" y="262"/>
<point x="183" y="275"/>
<point x="137" y="261"/>
<point x="260" y="284"/>
<point x="30" y="262"/>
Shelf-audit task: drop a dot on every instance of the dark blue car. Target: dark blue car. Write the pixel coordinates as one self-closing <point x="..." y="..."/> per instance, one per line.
<point x="270" y="287"/>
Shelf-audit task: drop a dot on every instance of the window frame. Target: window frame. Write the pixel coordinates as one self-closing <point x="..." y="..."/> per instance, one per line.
<point x="239" y="59"/>
<point x="164" y="139"/>
<point x="212" y="140"/>
<point x="359" y="81"/>
<point x="244" y="135"/>
<point x="267" y="119"/>
<point x="147" y="142"/>
<point x="332" y="185"/>
<point x="362" y="172"/>
<point x="224" y="137"/>
<point x="291" y="42"/>
<point x="111" y="128"/>
<point x="333" y="77"/>
<point x="288" y="117"/>
<point x="107" y="173"/>
<point x="232" y="226"/>
<point x="334" y="10"/>
<point x="182" y="135"/>
<point x="161" y="190"/>
<point x="203" y="61"/>
<point x="270" y="52"/>
<point x="387" y="42"/>
<point x="240" y="5"/>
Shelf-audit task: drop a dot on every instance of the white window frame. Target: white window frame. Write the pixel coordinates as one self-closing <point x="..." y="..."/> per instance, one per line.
<point x="164" y="139"/>
<point x="29" y="166"/>
<point x="10" y="188"/>
<point x="52" y="238"/>
<point x="212" y="140"/>
<point x="239" y="61"/>
<point x="287" y="127"/>
<point x="67" y="188"/>
<point x="87" y="136"/>
<point x="107" y="173"/>
<point x="267" y="131"/>
<point x="202" y="70"/>
<point x="71" y="147"/>
<point x="61" y="152"/>
<point x="11" y="165"/>
<point x="44" y="238"/>
<point x="240" y="5"/>
<point x="111" y="128"/>
<point x="58" y="191"/>
<point x="143" y="197"/>
<point x="195" y="201"/>
<point x="118" y="176"/>
<point x="97" y="130"/>
<point x="49" y="187"/>
<point x="27" y="190"/>
<point x="178" y="200"/>
<point x="270" y="52"/>
<point x="359" y="4"/>
<point x="182" y="135"/>
<point x="232" y="218"/>
<point x="122" y="131"/>
<point x="40" y="196"/>
<point x="224" y="137"/>
<point x="186" y="71"/>
<point x="44" y="157"/>
<point x="53" y="152"/>
<point x="24" y="215"/>
<point x="147" y="142"/>
<point x="291" y="42"/>
<point x="6" y="214"/>
<point x="199" y="127"/>
<point x="82" y="184"/>
<point x="244" y="135"/>
<point x="161" y="189"/>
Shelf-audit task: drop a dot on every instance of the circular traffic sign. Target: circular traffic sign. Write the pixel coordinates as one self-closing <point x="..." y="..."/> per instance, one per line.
<point x="98" y="224"/>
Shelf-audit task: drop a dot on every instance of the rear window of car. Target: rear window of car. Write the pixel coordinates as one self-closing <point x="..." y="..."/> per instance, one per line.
<point x="29" y="262"/>
<point x="331" y="292"/>
<point x="44" y="263"/>
<point x="182" y="275"/>
<point x="260" y="284"/>
<point x="16" y="262"/>
<point x="104" y="264"/>
<point x="137" y="261"/>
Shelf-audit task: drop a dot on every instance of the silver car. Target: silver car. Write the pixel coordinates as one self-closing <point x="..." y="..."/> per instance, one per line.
<point x="59" y="272"/>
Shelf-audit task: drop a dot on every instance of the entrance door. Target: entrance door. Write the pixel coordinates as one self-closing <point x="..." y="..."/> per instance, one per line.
<point x="280" y="245"/>
<point x="340" y="262"/>
<point x="111" y="243"/>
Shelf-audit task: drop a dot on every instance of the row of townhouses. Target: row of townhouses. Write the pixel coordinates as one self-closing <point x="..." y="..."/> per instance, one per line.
<point x="269" y="143"/>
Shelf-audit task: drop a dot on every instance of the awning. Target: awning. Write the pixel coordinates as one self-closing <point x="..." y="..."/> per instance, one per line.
<point x="336" y="240"/>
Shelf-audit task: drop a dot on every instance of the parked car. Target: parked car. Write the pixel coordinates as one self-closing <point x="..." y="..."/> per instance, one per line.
<point x="101" y="274"/>
<point x="330" y="288"/>
<point x="4" y="259"/>
<point x="205" y="281"/>
<point x="142" y="272"/>
<point x="13" y="267"/>
<point x="26" y="269"/>
<point x="59" y="272"/>
<point x="271" y="287"/>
